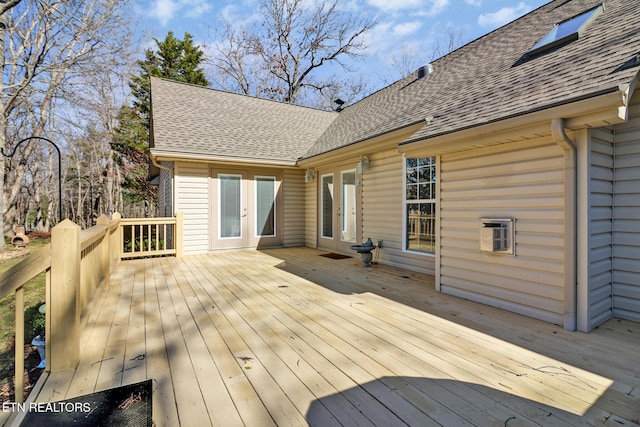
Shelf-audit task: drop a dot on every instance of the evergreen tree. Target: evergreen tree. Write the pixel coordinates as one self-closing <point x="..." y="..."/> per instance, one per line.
<point x="174" y="59"/>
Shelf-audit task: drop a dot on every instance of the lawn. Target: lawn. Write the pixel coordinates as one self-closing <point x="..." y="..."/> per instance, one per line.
<point x="34" y="296"/>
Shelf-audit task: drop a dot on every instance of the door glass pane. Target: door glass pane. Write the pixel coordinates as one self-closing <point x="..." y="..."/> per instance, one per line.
<point x="265" y="206"/>
<point x="327" y="206"/>
<point x="230" y="205"/>
<point x="348" y="207"/>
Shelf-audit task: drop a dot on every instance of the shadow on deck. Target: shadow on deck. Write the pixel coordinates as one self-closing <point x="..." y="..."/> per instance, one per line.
<point x="285" y="337"/>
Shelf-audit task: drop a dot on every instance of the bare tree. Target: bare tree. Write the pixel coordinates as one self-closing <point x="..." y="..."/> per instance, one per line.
<point x="5" y="7"/>
<point x="407" y="60"/>
<point x="93" y="188"/>
<point x="49" y="47"/>
<point x="278" y="58"/>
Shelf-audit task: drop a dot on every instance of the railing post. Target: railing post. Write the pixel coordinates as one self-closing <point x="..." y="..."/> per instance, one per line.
<point x="179" y="239"/>
<point x="116" y="247"/>
<point x="105" y="255"/>
<point x="63" y="316"/>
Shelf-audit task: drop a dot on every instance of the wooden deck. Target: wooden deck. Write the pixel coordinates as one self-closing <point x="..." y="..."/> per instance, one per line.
<point x="286" y="337"/>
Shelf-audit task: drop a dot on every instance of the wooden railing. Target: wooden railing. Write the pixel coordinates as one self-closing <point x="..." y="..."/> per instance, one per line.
<point x="12" y="280"/>
<point x="75" y="264"/>
<point x="143" y="237"/>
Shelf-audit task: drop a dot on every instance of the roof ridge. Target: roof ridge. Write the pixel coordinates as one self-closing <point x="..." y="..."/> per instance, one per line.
<point x="241" y="94"/>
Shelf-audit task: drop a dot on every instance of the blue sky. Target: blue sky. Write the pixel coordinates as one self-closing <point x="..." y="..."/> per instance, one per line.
<point x="410" y="25"/>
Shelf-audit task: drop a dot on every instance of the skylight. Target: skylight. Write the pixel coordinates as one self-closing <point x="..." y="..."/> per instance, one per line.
<point x="567" y="30"/>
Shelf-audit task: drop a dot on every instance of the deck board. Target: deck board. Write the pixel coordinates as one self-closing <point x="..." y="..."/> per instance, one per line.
<point x="379" y="361"/>
<point x="286" y="337"/>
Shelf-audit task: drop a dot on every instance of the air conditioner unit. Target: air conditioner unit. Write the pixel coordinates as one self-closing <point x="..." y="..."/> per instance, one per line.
<point x="497" y="235"/>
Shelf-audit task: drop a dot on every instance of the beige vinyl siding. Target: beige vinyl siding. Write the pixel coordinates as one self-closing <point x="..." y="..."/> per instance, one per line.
<point x="166" y="190"/>
<point x="524" y="181"/>
<point x="626" y="225"/>
<point x="310" y="213"/>
<point x="600" y="215"/>
<point x="383" y="211"/>
<point x="192" y="199"/>
<point x="294" y="207"/>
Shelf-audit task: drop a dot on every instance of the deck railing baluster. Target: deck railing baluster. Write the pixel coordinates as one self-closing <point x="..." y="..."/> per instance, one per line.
<point x="19" y="346"/>
<point x="154" y="236"/>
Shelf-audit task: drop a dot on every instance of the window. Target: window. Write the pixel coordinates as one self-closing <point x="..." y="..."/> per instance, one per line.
<point x="326" y="208"/>
<point x="566" y="31"/>
<point x="230" y="205"/>
<point x="420" y="204"/>
<point x="265" y="206"/>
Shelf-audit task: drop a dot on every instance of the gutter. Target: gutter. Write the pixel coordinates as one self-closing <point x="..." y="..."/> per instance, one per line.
<point x="558" y="132"/>
<point x="161" y="155"/>
<point x="602" y="109"/>
<point x="570" y="223"/>
<point x="363" y="145"/>
<point x="159" y="166"/>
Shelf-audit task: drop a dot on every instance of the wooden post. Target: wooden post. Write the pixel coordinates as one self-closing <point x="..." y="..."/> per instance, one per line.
<point x="179" y="236"/>
<point x="105" y="253"/>
<point x="117" y="246"/>
<point x="63" y="318"/>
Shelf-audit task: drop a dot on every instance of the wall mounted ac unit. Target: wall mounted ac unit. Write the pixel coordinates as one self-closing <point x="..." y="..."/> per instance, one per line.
<point x="497" y="235"/>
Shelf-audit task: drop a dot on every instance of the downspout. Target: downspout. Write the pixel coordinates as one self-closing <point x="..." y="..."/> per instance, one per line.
<point x="570" y="223"/>
<point x="160" y="166"/>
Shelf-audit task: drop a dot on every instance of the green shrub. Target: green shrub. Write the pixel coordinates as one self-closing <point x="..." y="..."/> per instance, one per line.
<point x="34" y="322"/>
<point x="146" y="245"/>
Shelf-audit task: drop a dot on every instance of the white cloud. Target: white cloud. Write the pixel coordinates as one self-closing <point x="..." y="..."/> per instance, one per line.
<point x="422" y="7"/>
<point x="166" y="10"/>
<point x="394" y="5"/>
<point x="377" y="40"/>
<point x="438" y="6"/>
<point x="474" y="2"/>
<point x="196" y="8"/>
<point x="502" y="16"/>
<point x="406" y="28"/>
<point x="237" y="15"/>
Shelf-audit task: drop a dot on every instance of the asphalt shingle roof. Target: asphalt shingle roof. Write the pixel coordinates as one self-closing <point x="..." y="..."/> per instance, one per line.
<point x="485" y="81"/>
<point x="193" y="120"/>
<point x="491" y="79"/>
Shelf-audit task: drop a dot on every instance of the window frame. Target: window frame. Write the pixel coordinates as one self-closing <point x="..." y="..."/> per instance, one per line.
<point x="321" y="211"/>
<point x="555" y="41"/>
<point x="274" y="180"/>
<point x="221" y="177"/>
<point x="433" y="201"/>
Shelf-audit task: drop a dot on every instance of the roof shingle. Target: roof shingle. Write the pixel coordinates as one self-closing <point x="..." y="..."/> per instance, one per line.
<point x="491" y="78"/>
<point x="189" y="119"/>
<point x="485" y="81"/>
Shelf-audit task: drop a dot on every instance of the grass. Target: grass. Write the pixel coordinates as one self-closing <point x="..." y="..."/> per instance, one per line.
<point x="34" y="295"/>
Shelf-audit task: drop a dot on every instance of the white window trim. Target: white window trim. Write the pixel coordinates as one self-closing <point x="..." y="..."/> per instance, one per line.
<point x="404" y="208"/>
<point x="255" y="203"/>
<point x="342" y="195"/>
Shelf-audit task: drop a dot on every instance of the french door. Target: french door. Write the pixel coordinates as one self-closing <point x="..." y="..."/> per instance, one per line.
<point x="338" y="206"/>
<point x="245" y="210"/>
